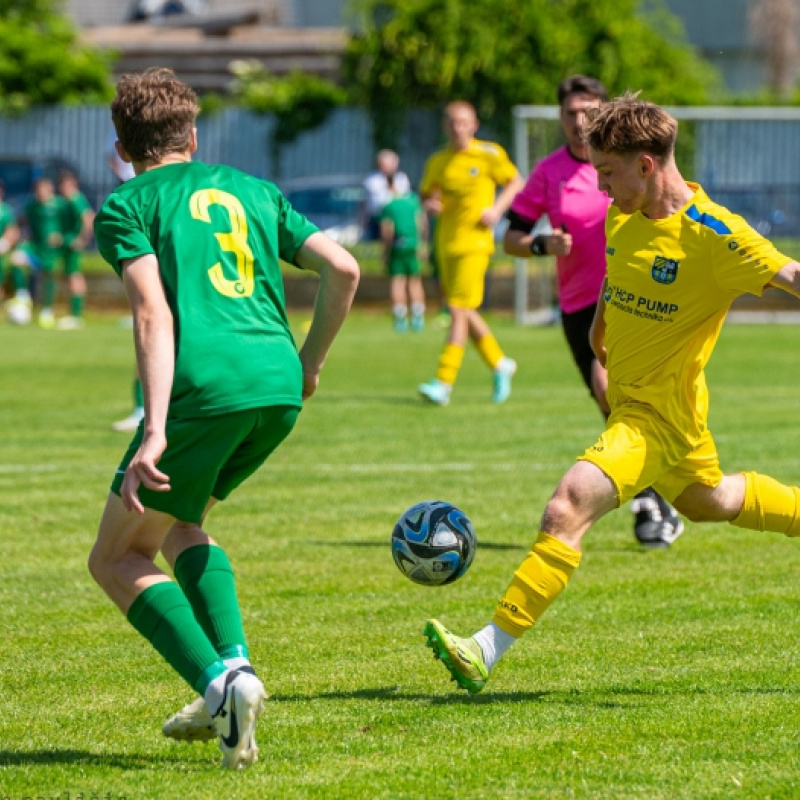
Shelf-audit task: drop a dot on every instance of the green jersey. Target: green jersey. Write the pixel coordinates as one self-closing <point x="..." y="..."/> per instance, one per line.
<point x="219" y="235"/>
<point x="44" y="220"/>
<point x="72" y="211"/>
<point x="404" y="213"/>
<point x="6" y="217"/>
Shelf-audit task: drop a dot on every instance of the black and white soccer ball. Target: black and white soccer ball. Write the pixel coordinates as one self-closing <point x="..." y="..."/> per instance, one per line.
<point x="433" y="543"/>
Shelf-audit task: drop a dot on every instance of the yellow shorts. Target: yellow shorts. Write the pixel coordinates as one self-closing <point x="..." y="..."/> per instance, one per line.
<point x="639" y="449"/>
<point x="462" y="278"/>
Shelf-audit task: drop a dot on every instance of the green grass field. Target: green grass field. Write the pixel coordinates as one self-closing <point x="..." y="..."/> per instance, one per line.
<point x="670" y="674"/>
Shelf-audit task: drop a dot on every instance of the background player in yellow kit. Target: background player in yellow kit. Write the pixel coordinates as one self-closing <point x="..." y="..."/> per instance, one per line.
<point x="675" y="262"/>
<point x="459" y="185"/>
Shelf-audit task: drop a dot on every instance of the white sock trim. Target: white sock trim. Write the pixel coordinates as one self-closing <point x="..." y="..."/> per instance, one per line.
<point x="494" y="642"/>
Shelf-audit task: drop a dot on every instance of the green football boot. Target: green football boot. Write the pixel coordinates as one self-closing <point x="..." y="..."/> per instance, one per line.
<point x="462" y="657"/>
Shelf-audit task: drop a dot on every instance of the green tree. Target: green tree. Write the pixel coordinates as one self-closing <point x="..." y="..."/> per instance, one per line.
<point x="500" y="53"/>
<point x="42" y="62"/>
<point x="299" y="101"/>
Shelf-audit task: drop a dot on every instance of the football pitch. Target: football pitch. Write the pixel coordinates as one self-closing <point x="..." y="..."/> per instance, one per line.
<point x="660" y="674"/>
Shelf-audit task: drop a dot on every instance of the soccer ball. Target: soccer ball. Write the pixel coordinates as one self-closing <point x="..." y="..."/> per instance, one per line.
<point x="18" y="312"/>
<point x="433" y="543"/>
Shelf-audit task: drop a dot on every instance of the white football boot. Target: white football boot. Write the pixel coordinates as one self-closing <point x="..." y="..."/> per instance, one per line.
<point x="193" y="723"/>
<point x="235" y="720"/>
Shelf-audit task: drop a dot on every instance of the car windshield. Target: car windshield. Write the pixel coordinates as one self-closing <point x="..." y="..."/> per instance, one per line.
<point x="343" y="200"/>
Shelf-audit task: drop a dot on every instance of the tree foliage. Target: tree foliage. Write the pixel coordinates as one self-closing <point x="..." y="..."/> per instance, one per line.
<point x="41" y="61"/>
<point x="29" y="10"/>
<point x="299" y="101"/>
<point x="500" y="53"/>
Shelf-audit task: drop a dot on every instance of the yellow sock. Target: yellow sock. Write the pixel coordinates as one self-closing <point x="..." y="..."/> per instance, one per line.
<point x="490" y="350"/>
<point x="450" y="363"/>
<point x="769" y="506"/>
<point x="538" y="581"/>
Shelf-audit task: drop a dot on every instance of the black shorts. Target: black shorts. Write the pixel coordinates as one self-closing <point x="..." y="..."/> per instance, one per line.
<point x="576" y="327"/>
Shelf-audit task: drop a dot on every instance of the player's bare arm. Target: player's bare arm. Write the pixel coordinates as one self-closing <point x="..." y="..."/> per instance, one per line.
<point x="491" y="216"/>
<point x="432" y="202"/>
<point x="338" y="273"/>
<point x="597" y="333"/>
<point x="9" y="238"/>
<point x="87" y="222"/>
<point x="154" y="336"/>
<point x="518" y="243"/>
<point x="387" y="238"/>
<point x="788" y="278"/>
<point x="423" y="232"/>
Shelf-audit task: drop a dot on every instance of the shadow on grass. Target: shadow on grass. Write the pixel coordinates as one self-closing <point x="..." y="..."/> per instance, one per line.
<point x="122" y="761"/>
<point x="356" y="543"/>
<point x="610" y="698"/>
<point x="391" y="693"/>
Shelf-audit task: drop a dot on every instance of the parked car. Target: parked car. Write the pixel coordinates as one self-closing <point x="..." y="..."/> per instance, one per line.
<point x="335" y="203"/>
<point x="19" y="172"/>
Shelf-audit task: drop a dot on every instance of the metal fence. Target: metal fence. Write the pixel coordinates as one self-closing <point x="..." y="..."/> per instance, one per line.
<point x="343" y="146"/>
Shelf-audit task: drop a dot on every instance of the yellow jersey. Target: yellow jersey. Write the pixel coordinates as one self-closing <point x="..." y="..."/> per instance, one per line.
<point x="669" y="285"/>
<point x="468" y="181"/>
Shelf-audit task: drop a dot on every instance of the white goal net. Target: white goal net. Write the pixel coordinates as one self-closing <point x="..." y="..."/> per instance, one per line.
<point x="747" y="158"/>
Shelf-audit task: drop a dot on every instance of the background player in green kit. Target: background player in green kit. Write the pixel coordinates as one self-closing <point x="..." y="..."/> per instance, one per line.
<point x="404" y="230"/>
<point x="42" y="219"/>
<point x="198" y="248"/>
<point x="76" y="228"/>
<point x="9" y="235"/>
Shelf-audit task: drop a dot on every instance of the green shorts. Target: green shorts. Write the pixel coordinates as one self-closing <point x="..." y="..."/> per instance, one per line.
<point x="39" y="256"/>
<point x="210" y="456"/>
<point x="403" y="262"/>
<point x="71" y="259"/>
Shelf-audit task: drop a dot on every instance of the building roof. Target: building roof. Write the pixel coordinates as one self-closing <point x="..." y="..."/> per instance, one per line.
<point x="200" y="54"/>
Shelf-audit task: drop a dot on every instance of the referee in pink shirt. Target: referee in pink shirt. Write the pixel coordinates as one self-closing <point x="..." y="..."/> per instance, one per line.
<point x="564" y="187"/>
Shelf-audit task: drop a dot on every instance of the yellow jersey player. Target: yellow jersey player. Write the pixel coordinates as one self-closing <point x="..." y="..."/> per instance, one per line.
<point x="459" y="185"/>
<point x="676" y="261"/>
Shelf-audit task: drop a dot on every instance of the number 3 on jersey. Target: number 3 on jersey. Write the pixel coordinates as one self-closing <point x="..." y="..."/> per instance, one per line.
<point x="234" y="242"/>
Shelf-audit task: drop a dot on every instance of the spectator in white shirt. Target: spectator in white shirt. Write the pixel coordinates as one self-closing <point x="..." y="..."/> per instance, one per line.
<point x="380" y="190"/>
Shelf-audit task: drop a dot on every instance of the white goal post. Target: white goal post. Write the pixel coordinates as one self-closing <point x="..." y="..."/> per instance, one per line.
<point x="746" y="157"/>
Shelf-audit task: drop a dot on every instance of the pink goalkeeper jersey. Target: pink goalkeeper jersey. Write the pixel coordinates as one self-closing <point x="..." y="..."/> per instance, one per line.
<point x="566" y="190"/>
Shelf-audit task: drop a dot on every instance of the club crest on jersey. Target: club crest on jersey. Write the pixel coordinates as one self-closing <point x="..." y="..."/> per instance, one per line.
<point x="665" y="270"/>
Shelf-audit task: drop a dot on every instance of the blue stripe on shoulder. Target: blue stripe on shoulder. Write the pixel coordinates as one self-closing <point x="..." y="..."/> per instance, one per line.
<point x="716" y="225"/>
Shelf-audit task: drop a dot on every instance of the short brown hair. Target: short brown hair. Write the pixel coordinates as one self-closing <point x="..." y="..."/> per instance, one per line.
<point x="154" y="114"/>
<point x="581" y="84"/>
<point x="628" y="125"/>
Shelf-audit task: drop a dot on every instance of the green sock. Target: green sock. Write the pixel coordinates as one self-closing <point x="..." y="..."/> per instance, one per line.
<point x="206" y="577"/>
<point x="49" y="290"/>
<point x="76" y="305"/>
<point x="162" y="614"/>
<point x="138" y="394"/>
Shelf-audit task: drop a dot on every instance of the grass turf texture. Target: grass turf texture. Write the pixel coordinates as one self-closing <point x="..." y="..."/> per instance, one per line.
<point x="669" y="674"/>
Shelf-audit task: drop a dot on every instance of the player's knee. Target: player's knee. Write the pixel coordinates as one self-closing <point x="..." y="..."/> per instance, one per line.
<point x="562" y="511"/>
<point x="98" y="566"/>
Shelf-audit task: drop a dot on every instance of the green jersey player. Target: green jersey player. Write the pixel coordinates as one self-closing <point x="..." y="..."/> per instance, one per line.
<point x="198" y="248"/>
<point x="76" y="225"/>
<point x="9" y="235"/>
<point x="404" y="229"/>
<point x="38" y="253"/>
